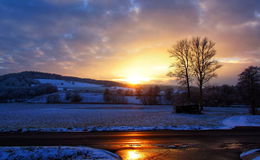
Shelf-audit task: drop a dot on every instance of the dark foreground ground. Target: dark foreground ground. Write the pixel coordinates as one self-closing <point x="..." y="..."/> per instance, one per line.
<point x="150" y="145"/>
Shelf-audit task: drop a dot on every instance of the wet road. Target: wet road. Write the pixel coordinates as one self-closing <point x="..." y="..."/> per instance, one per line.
<point x="150" y="145"/>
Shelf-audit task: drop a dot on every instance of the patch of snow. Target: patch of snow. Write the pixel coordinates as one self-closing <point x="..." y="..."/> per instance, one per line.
<point x="250" y="152"/>
<point x="133" y="100"/>
<point x="257" y="158"/>
<point x="129" y="128"/>
<point x="121" y="88"/>
<point x="92" y="97"/>
<point x="56" y="152"/>
<point x="116" y="128"/>
<point x="242" y="120"/>
<point x="61" y="84"/>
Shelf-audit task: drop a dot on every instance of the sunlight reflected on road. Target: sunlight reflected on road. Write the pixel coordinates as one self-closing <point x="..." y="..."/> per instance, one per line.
<point x="148" y="154"/>
<point x="131" y="154"/>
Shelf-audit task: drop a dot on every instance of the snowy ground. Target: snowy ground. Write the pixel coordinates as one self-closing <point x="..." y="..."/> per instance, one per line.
<point x="100" y="117"/>
<point x="47" y="153"/>
<point x="251" y="155"/>
<point x="61" y="84"/>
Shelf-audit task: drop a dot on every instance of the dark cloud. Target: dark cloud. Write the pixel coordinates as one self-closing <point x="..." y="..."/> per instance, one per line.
<point x="234" y="25"/>
<point x="232" y="12"/>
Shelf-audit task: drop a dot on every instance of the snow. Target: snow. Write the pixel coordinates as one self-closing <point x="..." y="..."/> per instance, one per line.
<point x="87" y="97"/>
<point x="55" y="152"/>
<point x="92" y="97"/>
<point x="121" y="88"/>
<point x="109" y="117"/>
<point x="61" y="84"/>
<point x="251" y="153"/>
<point x="133" y="100"/>
<point x="244" y="120"/>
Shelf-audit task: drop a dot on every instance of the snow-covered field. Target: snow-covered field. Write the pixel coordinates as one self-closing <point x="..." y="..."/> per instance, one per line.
<point x="100" y="117"/>
<point x="61" y="84"/>
<point x="48" y="153"/>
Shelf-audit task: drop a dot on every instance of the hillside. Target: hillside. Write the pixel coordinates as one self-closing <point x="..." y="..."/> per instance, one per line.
<point x="28" y="78"/>
<point x="26" y="85"/>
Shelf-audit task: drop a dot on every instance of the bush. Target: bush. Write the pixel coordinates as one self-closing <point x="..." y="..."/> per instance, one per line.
<point x="68" y="95"/>
<point x="107" y="96"/>
<point x="180" y="97"/>
<point x="114" y="97"/>
<point x="220" y="95"/>
<point x="150" y="97"/>
<point x="75" y="97"/>
<point x="54" y="98"/>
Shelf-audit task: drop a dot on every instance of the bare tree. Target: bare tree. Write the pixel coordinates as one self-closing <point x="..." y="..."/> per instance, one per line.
<point x="181" y="65"/>
<point x="203" y="63"/>
<point x="249" y="85"/>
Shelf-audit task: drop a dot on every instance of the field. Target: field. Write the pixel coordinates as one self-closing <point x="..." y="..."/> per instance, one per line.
<point x="101" y="117"/>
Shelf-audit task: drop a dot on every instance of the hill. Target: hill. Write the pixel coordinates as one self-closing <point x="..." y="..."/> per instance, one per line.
<point x="28" y="78"/>
<point x="28" y="84"/>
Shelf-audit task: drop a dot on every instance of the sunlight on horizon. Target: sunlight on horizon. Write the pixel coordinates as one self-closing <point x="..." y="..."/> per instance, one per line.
<point x="144" y="67"/>
<point x="135" y="79"/>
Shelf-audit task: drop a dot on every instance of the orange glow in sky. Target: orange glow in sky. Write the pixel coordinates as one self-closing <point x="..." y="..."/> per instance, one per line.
<point x="143" y="66"/>
<point x="135" y="79"/>
<point x="126" y="41"/>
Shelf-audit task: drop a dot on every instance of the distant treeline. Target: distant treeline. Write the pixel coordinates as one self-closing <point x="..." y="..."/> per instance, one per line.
<point x="215" y="96"/>
<point x="224" y="95"/>
<point x="17" y="94"/>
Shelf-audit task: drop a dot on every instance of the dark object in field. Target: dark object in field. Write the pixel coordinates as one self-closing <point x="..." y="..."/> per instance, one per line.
<point x="190" y="108"/>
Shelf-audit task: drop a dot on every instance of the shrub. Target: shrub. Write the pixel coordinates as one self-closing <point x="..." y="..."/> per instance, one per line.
<point x="107" y="96"/>
<point x="54" y="98"/>
<point x="68" y="95"/>
<point x="75" y="97"/>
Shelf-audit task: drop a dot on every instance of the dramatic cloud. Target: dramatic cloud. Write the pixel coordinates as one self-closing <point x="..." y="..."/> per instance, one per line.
<point x="108" y="39"/>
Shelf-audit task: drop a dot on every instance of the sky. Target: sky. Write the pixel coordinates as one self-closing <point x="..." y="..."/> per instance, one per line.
<point x="124" y="39"/>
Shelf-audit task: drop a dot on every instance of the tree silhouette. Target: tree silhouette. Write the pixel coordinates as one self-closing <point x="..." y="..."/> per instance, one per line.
<point x="249" y="85"/>
<point x="182" y="65"/>
<point x="203" y="63"/>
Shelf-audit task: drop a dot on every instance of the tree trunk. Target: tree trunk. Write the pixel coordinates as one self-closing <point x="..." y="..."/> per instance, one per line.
<point x="201" y="98"/>
<point x="188" y="85"/>
<point x="188" y="92"/>
<point x="253" y="110"/>
<point x="253" y="105"/>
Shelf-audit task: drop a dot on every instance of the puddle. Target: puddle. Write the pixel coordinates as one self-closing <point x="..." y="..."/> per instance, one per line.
<point x="146" y="154"/>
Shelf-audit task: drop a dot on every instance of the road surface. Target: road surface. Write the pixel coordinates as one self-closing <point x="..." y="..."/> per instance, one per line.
<point x="149" y="145"/>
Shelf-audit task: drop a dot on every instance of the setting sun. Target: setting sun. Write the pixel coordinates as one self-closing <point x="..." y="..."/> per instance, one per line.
<point x="136" y="79"/>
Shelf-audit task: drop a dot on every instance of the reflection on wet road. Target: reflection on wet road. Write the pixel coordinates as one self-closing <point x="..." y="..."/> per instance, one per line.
<point x="193" y="147"/>
<point x="149" y="145"/>
<point x="142" y="151"/>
